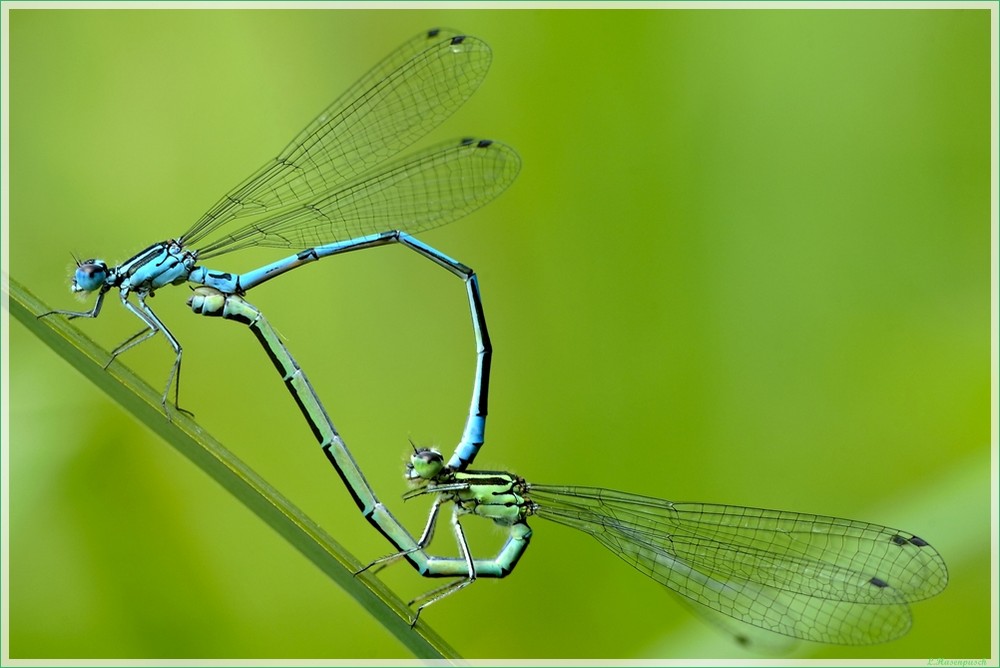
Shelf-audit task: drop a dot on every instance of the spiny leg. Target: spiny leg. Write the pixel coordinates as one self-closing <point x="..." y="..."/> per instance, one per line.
<point x="128" y="343"/>
<point x="154" y="324"/>
<point x="422" y="542"/>
<point x="436" y="595"/>
<point x="92" y="313"/>
<point x="175" y="371"/>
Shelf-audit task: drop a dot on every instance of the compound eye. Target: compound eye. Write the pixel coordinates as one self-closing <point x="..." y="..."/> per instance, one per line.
<point x="424" y="464"/>
<point x="89" y="276"/>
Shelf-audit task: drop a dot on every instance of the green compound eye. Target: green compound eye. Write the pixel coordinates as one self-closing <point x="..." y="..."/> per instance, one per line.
<point x="424" y="464"/>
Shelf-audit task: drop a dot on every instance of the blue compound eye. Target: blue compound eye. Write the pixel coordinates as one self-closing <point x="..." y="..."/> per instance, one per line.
<point x="89" y="276"/>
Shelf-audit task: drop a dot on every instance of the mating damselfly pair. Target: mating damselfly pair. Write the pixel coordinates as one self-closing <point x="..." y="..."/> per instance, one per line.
<point x="807" y="576"/>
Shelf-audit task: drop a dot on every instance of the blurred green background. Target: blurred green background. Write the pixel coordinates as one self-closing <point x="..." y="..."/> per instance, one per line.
<point x="746" y="261"/>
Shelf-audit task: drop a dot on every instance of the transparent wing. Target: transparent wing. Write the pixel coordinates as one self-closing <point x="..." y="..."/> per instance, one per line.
<point x="401" y="99"/>
<point x="420" y="192"/>
<point x="813" y="577"/>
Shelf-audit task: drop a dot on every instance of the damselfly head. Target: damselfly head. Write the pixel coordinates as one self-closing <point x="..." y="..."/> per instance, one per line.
<point x="424" y="464"/>
<point x="89" y="275"/>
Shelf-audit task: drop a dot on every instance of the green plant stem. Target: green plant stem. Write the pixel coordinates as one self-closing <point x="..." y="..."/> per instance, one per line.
<point x="188" y="438"/>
